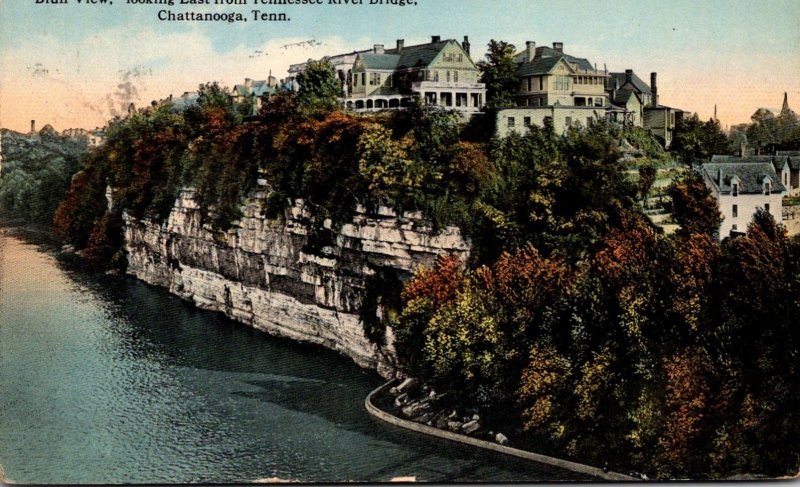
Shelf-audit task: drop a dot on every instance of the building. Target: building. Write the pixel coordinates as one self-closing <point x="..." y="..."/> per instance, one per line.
<point x="439" y="73"/>
<point x="549" y="77"/>
<point x="787" y="164"/>
<point x="636" y="104"/>
<point x="255" y="92"/>
<point x="741" y="185"/>
<point x="556" y="89"/>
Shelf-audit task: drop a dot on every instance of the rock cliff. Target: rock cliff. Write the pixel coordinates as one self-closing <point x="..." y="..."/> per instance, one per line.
<point x="258" y="272"/>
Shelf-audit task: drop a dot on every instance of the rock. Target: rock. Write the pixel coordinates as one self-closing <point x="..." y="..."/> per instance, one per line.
<point x="475" y="417"/>
<point x="441" y="423"/>
<point x="414" y="409"/>
<point x="471" y="427"/>
<point x="453" y="415"/>
<point x="425" y="418"/>
<point x="406" y="384"/>
<point x="432" y="395"/>
<point x="400" y="400"/>
<point x="501" y="439"/>
<point x="393" y="390"/>
<point x="454" y="426"/>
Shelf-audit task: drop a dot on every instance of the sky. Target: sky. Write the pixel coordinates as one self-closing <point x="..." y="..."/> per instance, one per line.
<point x="75" y="65"/>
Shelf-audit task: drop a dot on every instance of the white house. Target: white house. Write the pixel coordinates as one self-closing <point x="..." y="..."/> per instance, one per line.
<point x="740" y="188"/>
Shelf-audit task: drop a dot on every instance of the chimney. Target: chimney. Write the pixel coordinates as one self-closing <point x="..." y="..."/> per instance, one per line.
<point x="654" y="88"/>
<point x="558" y="46"/>
<point x="33" y="126"/>
<point x="531" y="49"/>
<point x="248" y="83"/>
<point x="377" y="49"/>
<point x="629" y="76"/>
<point x="401" y="44"/>
<point x="435" y="39"/>
<point x="466" y="45"/>
<point x="614" y="89"/>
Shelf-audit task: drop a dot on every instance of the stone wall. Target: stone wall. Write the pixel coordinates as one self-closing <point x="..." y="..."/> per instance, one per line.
<point x="258" y="273"/>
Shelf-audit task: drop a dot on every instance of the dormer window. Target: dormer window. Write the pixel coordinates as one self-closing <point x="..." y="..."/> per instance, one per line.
<point x="767" y="188"/>
<point x="735" y="189"/>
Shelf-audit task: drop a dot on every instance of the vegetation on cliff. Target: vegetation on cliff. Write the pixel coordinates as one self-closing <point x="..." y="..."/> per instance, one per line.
<point x="576" y="322"/>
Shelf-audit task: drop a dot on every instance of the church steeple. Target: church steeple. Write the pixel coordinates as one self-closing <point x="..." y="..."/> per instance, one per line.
<point x="785" y="107"/>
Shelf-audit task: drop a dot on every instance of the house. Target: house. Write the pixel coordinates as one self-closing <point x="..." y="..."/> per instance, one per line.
<point x="741" y="186"/>
<point x="256" y="92"/>
<point x="439" y="73"/>
<point x="556" y="89"/>
<point x="636" y="104"/>
<point x="550" y="77"/>
<point x="342" y="65"/>
<point x="789" y="163"/>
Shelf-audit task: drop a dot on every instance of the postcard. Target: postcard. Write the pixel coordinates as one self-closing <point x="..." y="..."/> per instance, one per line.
<point x="324" y="241"/>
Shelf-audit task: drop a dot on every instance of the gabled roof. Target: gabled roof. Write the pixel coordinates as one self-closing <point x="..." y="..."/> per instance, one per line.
<point x="640" y="85"/>
<point x="545" y="60"/>
<point x="622" y="96"/>
<point x="418" y="56"/>
<point x="737" y="159"/>
<point x="750" y="174"/>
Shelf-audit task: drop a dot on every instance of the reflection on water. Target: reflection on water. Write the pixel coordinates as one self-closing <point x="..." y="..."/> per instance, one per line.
<point x="107" y="380"/>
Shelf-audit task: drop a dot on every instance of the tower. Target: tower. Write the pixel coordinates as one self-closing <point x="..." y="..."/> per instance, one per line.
<point x="785" y="108"/>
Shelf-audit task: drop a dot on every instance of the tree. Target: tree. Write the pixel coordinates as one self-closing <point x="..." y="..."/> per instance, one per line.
<point x="693" y="206"/>
<point x="319" y="87"/>
<point x="695" y="141"/>
<point x="499" y="72"/>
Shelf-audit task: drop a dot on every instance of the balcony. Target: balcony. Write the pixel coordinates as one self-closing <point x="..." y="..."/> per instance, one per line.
<point x="445" y="85"/>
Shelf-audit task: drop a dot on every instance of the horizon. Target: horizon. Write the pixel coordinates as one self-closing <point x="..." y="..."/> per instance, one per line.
<point x="92" y="61"/>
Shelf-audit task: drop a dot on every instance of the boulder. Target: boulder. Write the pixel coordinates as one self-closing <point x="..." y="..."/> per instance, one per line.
<point x="425" y="418"/>
<point x="471" y="427"/>
<point x="441" y="423"/>
<point x="406" y="384"/>
<point x="400" y="400"/>
<point x="454" y="426"/>
<point x="501" y="439"/>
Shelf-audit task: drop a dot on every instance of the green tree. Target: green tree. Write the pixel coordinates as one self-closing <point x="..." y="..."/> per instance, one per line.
<point x="319" y="87"/>
<point x="695" y="141"/>
<point x="499" y="72"/>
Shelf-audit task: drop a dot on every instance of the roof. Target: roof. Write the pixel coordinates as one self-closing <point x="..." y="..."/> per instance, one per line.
<point x="417" y="56"/>
<point x="637" y="82"/>
<point x="622" y="96"/>
<point x="750" y="174"/>
<point x="257" y="88"/>
<point x="380" y="61"/>
<point x="544" y="59"/>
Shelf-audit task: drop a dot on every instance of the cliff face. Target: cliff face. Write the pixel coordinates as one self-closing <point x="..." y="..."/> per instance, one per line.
<point x="258" y="273"/>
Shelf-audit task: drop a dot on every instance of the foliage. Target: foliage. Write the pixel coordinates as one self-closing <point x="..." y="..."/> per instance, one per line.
<point x="695" y="142"/>
<point x="499" y="72"/>
<point x="693" y="206"/>
<point x="319" y="87"/>
<point x="36" y="174"/>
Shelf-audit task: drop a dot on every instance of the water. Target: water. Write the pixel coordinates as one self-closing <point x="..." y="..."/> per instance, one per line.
<point x="107" y="380"/>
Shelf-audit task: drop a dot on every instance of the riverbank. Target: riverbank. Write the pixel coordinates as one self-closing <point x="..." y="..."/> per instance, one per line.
<point x="592" y="473"/>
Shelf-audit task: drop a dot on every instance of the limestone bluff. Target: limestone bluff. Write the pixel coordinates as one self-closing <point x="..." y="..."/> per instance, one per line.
<point x="259" y="274"/>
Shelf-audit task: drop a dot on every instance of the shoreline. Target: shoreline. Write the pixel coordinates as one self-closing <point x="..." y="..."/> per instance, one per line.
<point x="594" y="472"/>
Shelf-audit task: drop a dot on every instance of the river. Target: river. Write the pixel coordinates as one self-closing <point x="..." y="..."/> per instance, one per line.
<point x="104" y="379"/>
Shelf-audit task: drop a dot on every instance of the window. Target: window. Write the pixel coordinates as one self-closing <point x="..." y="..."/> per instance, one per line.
<point x="766" y="207"/>
<point x="735" y="211"/>
<point x="530" y="83"/>
<point x="448" y="76"/>
<point x="568" y="121"/>
<point x="455" y="76"/>
<point x="436" y="75"/>
<point x="374" y="79"/>
<point x="562" y="83"/>
<point x="735" y="227"/>
<point x="511" y="122"/>
<point x="541" y="83"/>
<point x="364" y="79"/>
<point x="526" y="121"/>
<point x="598" y="102"/>
<point x="767" y="188"/>
<point x="735" y="189"/>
